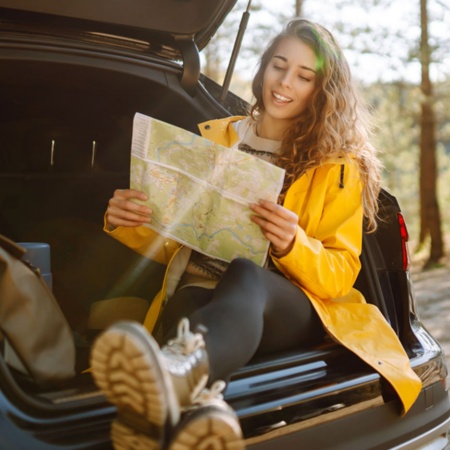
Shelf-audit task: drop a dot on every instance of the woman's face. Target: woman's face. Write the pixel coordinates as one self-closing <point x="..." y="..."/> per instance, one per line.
<point x="288" y="82"/>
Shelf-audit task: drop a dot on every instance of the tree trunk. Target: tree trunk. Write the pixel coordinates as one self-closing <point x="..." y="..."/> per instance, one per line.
<point x="430" y="220"/>
<point x="298" y="7"/>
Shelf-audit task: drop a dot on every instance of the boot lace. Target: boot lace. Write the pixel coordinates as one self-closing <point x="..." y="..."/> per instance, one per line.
<point x="186" y="342"/>
<point x="213" y="393"/>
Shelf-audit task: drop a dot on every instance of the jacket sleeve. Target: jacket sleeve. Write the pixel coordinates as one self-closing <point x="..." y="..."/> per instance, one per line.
<point x="145" y="241"/>
<point x="325" y="257"/>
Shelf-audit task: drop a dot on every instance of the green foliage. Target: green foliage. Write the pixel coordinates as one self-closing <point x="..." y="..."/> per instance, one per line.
<point x="396" y="109"/>
<point x="396" y="138"/>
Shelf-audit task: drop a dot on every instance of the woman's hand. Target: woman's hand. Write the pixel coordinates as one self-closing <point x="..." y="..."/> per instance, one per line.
<point x="124" y="211"/>
<point x="278" y="224"/>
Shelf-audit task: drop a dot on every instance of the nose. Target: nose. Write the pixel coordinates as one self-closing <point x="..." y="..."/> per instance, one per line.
<point x="286" y="79"/>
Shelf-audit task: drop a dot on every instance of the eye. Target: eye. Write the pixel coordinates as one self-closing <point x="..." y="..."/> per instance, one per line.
<point x="277" y="67"/>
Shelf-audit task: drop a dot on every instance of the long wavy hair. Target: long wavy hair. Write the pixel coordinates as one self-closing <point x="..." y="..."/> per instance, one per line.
<point x="335" y="122"/>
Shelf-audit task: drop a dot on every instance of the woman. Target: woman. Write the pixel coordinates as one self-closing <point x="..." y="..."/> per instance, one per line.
<point x="307" y="119"/>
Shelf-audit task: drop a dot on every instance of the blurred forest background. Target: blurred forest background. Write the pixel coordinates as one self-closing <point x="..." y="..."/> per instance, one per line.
<point x="399" y="53"/>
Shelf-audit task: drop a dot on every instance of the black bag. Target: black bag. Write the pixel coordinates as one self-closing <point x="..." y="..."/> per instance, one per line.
<point x="31" y="320"/>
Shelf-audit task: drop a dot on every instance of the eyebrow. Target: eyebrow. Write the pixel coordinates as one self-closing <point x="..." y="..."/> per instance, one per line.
<point x="302" y="67"/>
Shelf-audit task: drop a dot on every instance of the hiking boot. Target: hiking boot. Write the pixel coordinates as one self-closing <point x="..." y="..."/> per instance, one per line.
<point x="127" y="367"/>
<point x="148" y="385"/>
<point x="186" y="360"/>
<point x="210" y="423"/>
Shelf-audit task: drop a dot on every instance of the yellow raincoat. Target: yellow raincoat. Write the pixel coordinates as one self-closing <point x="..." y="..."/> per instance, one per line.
<point x="324" y="263"/>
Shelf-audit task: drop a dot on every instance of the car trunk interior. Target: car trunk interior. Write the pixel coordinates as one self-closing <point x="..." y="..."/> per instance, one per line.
<point x="65" y="137"/>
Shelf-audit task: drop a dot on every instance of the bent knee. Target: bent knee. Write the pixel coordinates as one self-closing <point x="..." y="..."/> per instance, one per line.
<point x="243" y="264"/>
<point x="244" y="269"/>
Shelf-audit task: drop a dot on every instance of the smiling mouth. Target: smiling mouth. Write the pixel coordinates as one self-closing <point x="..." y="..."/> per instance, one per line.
<point x="281" y="98"/>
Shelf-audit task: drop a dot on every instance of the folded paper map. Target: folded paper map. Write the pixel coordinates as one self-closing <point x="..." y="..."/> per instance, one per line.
<point x="200" y="191"/>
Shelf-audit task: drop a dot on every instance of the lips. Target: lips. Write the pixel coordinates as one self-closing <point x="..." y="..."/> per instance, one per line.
<point x="281" y="98"/>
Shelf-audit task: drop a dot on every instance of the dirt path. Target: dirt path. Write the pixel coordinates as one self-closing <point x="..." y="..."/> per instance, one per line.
<point x="432" y="292"/>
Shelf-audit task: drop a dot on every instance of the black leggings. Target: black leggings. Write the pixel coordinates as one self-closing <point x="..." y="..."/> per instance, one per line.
<point x="251" y="311"/>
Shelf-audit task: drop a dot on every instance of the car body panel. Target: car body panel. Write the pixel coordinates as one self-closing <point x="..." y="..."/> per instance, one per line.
<point x="174" y="19"/>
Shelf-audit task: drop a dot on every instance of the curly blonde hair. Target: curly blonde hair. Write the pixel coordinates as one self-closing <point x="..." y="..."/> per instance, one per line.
<point x="336" y="121"/>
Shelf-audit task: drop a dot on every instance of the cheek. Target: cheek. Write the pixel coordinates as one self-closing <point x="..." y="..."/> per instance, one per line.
<point x="265" y="88"/>
<point x="270" y="75"/>
<point x="265" y="79"/>
<point x="306" y="93"/>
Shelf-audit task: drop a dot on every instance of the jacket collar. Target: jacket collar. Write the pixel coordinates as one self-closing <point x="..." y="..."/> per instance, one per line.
<point x="221" y="131"/>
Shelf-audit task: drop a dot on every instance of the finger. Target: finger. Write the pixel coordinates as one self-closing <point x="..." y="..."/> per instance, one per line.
<point x="274" y="229"/>
<point x="280" y="228"/>
<point x="124" y="211"/>
<point x="117" y="205"/>
<point x="125" y="199"/>
<point x="281" y="238"/>
<point x="129" y="194"/>
<point x="281" y="242"/>
<point x="274" y="212"/>
<point x="125" y="218"/>
<point x="279" y="245"/>
<point x="118" y="222"/>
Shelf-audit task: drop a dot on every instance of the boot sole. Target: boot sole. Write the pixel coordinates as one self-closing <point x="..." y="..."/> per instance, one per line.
<point x="208" y="428"/>
<point x="127" y="367"/>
